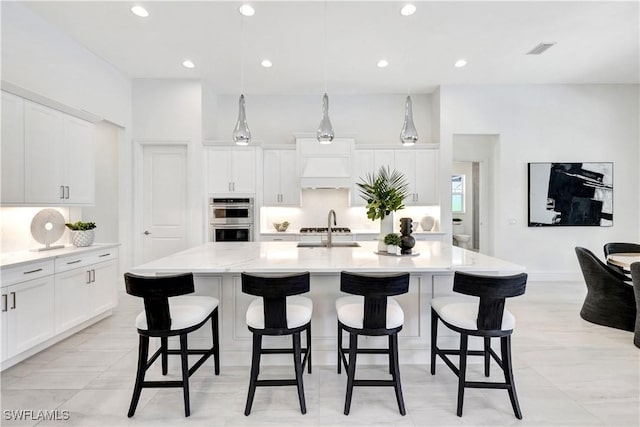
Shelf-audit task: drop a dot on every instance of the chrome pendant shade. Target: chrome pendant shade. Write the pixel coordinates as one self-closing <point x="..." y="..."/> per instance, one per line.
<point x="325" y="131"/>
<point x="409" y="134"/>
<point x="241" y="133"/>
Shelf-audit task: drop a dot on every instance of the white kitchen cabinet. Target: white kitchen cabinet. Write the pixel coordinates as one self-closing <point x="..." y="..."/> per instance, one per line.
<point x="419" y="166"/>
<point x="281" y="185"/>
<point x="12" y="168"/>
<point x="368" y="161"/>
<point x="27" y="315"/>
<point x="59" y="157"/>
<point x="279" y="237"/>
<point x="231" y="170"/>
<point x="84" y="287"/>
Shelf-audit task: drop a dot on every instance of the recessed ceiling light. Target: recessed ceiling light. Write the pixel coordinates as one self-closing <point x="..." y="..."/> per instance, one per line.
<point x="460" y="63"/>
<point x="266" y="63"/>
<point x="247" y="10"/>
<point x="188" y="64"/>
<point x="382" y="63"/>
<point x="408" y="9"/>
<point x="139" y="11"/>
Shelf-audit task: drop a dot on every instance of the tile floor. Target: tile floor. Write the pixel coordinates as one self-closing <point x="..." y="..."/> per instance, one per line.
<point x="568" y="372"/>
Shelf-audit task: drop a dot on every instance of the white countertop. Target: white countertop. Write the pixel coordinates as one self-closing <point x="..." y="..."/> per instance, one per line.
<point x="10" y="259"/>
<point x="284" y="257"/>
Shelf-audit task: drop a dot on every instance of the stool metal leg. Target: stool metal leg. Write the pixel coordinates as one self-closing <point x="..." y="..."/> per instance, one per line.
<point x="143" y="354"/>
<point x="297" y="364"/>
<point x="184" y="356"/>
<point x="464" y="340"/>
<point x="505" y="347"/>
<point x="309" y="348"/>
<point x="339" y="349"/>
<point x="351" y="370"/>
<point x="487" y="356"/>
<point x="165" y="355"/>
<point x="255" y="366"/>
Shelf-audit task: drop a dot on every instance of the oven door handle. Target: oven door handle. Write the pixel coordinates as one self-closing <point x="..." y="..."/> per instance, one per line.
<point x="232" y="226"/>
<point x="239" y="206"/>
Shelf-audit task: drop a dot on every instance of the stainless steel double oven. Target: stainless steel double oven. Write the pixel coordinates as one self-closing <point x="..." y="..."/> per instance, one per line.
<point x="230" y="219"/>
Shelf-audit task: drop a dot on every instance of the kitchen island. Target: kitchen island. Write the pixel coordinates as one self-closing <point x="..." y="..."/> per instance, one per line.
<point x="217" y="268"/>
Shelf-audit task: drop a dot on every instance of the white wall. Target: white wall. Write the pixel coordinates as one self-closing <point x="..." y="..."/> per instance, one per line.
<point x="171" y="110"/>
<point x="372" y="119"/>
<point x="38" y="57"/>
<point x="580" y="123"/>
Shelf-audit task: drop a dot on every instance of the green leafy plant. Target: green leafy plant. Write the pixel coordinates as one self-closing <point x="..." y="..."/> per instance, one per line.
<point x="384" y="192"/>
<point x="392" y="239"/>
<point x="81" y="226"/>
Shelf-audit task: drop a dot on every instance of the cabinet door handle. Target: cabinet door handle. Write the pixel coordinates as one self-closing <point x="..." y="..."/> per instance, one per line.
<point x="93" y="276"/>
<point x="5" y="303"/>
<point x="62" y="191"/>
<point x="88" y="278"/>
<point x="67" y="188"/>
<point x="233" y="186"/>
<point x="74" y="262"/>
<point x="107" y="254"/>
<point x="13" y="298"/>
<point x="32" y="271"/>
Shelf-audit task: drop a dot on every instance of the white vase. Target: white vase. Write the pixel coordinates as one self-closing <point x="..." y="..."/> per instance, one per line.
<point x="392" y="249"/>
<point x="427" y="223"/>
<point x="386" y="227"/>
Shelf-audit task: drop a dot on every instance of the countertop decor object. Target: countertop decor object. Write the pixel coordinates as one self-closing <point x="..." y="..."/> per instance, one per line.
<point x="393" y="241"/>
<point x="407" y="240"/>
<point x="47" y="226"/>
<point x="427" y="223"/>
<point x="82" y="233"/>
<point x="384" y="192"/>
<point x="281" y="226"/>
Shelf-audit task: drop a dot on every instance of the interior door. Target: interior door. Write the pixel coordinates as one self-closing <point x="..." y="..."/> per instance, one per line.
<point x="165" y="200"/>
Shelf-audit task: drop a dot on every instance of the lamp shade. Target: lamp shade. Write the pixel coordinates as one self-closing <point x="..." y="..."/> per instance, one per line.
<point x="325" y="131"/>
<point x="409" y="134"/>
<point x="241" y="133"/>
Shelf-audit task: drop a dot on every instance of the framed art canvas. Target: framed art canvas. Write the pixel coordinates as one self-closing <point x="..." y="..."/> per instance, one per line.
<point x="571" y="194"/>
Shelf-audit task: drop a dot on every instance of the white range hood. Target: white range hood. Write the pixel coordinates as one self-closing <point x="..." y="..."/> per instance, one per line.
<point x="325" y="166"/>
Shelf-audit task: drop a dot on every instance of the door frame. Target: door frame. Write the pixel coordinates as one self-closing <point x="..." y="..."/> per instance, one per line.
<point x="138" y="190"/>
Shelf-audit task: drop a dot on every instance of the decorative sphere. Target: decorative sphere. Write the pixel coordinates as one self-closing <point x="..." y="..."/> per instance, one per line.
<point x="408" y="242"/>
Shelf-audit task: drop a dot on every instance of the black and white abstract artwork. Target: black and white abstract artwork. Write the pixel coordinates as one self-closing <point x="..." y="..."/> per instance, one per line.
<point x="571" y="194"/>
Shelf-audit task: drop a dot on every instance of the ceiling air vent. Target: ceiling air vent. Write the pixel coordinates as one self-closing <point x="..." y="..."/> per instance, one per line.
<point x="542" y="47"/>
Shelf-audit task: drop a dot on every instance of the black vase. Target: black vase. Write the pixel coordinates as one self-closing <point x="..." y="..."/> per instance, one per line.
<point x="407" y="240"/>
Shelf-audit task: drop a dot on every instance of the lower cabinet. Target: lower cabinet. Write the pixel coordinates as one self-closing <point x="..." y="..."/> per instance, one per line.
<point x="27" y="315"/>
<point x="83" y="293"/>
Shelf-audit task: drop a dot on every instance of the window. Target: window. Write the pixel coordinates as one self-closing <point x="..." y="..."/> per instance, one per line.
<point x="457" y="193"/>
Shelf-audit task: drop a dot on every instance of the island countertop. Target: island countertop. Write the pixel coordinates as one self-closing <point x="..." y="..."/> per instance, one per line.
<point x="286" y="257"/>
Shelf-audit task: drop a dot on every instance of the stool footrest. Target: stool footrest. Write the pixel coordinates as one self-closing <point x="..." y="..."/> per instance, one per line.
<point x="272" y="383"/>
<point x="162" y="384"/>
<point x="374" y="383"/>
<point x="485" y="384"/>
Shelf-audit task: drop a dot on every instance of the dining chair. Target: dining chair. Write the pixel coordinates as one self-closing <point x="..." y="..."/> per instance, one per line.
<point x="610" y="300"/>
<point x="168" y="312"/>
<point x="371" y="310"/>
<point x="635" y="275"/>
<point x="485" y="317"/>
<point x="278" y="310"/>
<point x="620" y="248"/>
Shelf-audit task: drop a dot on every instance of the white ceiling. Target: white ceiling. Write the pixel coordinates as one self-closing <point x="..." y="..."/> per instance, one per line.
<point x="597" y="42"/>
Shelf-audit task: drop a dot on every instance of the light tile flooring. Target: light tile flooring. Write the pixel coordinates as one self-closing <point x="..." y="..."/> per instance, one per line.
<point x="567" y="371"/>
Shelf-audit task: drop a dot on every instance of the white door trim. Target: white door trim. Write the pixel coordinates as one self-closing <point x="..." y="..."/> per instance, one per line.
<point x="138" y="155"/>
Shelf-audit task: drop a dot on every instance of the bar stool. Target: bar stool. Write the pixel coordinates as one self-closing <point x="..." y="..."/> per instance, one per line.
<point x="279" y="311"/>
<point x="168" y="313"/>
<point x="370" y="311"/>
<point x="486" y="318"/>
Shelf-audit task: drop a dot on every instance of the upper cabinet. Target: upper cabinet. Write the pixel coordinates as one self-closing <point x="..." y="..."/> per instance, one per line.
<point x="231" y="170"/>
<point x="50" y="155"/>
<point x="418" y="165"/>
<point x="281" y="185"/>
<point x="12" y="149"/>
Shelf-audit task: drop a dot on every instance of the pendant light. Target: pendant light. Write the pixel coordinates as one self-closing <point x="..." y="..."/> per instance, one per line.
<point x="241" y="133"/>
<point x="408" y="134"/>
<point x="325" y="133"/>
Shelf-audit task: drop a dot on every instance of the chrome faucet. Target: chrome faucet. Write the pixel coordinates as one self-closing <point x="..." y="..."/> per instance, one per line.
<point x="335" y="222"/>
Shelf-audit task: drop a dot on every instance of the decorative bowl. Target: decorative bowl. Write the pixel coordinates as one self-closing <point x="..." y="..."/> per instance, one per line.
<point x="281" y="226"/>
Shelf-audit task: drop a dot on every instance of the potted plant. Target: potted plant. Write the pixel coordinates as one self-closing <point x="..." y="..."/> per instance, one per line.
<point x="82" y="233"/>
<point x="384" y="192"/>
<point x="393" y="242"/>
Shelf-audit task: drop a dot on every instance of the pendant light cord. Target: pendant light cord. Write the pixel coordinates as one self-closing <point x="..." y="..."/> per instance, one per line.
<point x="325" y="46"/>
<point x="241" y="54"/>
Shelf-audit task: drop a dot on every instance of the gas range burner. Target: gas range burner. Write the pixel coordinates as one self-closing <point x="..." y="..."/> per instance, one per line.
<point x="310" y="230"/>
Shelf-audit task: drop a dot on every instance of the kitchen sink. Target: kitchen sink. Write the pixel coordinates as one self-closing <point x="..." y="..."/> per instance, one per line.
<point x="324" y="245"/>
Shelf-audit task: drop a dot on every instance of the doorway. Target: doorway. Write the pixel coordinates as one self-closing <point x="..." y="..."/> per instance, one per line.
<point x="478" y="154"/>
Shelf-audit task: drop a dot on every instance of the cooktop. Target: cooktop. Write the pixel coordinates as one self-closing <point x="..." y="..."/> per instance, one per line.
<point x="325" y="230"/>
